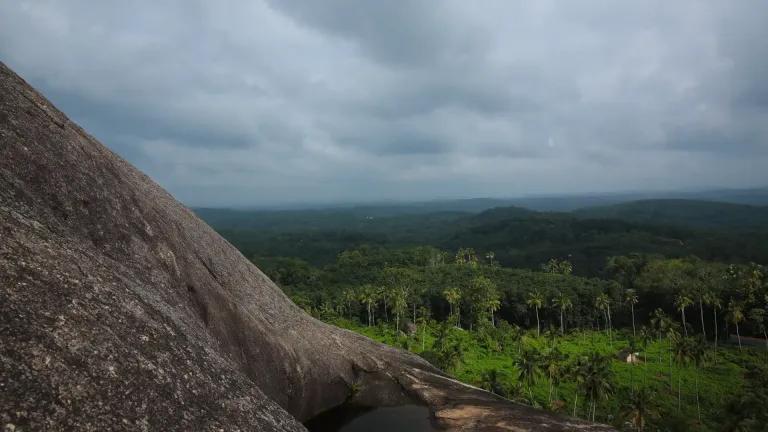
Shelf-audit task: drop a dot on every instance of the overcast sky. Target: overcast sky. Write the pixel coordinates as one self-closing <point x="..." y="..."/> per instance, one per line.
<point x="241" y="102"/>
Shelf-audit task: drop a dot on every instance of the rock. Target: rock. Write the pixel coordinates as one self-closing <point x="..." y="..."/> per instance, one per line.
<point x="121" y="310"/>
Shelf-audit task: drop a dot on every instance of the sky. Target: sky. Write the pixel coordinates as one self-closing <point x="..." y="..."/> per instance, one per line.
<point x="248" y="103"/>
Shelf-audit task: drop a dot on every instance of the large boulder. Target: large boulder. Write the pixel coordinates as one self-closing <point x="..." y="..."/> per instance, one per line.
<point x="121" y="310"/>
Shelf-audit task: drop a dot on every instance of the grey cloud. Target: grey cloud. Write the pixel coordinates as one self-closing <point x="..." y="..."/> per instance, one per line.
<point x="246" y="102"/>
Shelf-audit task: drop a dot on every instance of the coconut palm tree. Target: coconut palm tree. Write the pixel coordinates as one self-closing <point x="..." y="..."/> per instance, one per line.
<point x="399" y="305"/>
<point x="536" y="301"/>
<point x="646" y="337"/>
<point x="603" y="303"/>
<point x="369" y="296"/>
<point x="659" y="322"/>
<point x="757" y="316"/>
<point x="453" y="297"/>
<point x="594" y="378"/>
<point x="639" y="408"/>
<point x="682" y="301"/>
<point x="423" y="321"/>
<point x="630" y="296"/>
<point x="713" y="300"/>
<point x="552" y="362"/>
<point x="528" y="369"/>
<point x="563" y="302"/>
<point x="735" y="315"/>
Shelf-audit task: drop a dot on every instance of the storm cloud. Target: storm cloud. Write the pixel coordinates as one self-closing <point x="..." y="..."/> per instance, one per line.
<point x="241" y="102"/>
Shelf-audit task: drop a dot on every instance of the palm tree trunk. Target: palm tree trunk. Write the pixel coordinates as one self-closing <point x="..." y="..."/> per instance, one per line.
<point x="610" y="324"/>
<point x="634" y="332"/>
<point x="685" y="328"/>
<point x="538" y="325"/>
<point x="701" y="313"/>
<point x="369" y="315"/>
<point x="575" y="403"/>
<point x="715" y="309"/>
<point x="423" y="334"/>
<point x="562" y="327"/>
<point x="738" y="335"/>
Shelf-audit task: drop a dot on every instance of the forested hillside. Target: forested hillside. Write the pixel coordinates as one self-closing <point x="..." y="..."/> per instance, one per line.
<point x="631" y="320"/>
<point x="518" y="237"/>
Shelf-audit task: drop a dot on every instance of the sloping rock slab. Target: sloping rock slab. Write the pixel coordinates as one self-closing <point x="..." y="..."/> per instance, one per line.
<point x="121" y="310"/>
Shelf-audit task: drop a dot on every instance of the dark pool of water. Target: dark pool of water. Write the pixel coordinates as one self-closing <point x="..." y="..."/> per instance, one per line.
<point x="404" y="418"/>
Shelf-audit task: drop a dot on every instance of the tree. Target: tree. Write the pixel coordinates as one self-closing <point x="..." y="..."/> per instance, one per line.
<point x="594" y="378"/>
<point x="556" y="266"/>
<point x="603" y="303"/>
<point x="528" y="369"/>
<point x="660" y="322"/>
<point x="423" y="322"/>
<point x="757" y="316"/>
<point x="349" y="297"/>
<point x="536" y="301"/>
<point x="485" y="297"/>
<point x="646" y="337"/>
<point x="711" y="299"/>
<point x="735" y="315"/>
<point x="639" y="408"/>
<point x="369" y="296"/>
<point x="682" y="301"/>
<point x="563" y="302"/>
<point x="553" y="367"/>
<point x="453" y="297"/>
<point x="630" y="296"/>
<point x="399" y="305"/>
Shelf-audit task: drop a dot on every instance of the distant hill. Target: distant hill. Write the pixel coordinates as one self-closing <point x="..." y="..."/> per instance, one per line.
<point x="681" y="212"/>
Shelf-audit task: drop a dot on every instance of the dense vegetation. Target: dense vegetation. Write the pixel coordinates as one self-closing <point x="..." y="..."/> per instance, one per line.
<point x="647" y="336"/>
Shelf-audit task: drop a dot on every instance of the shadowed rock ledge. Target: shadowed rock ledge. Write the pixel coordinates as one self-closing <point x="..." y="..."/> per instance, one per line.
<point x="121" y="310"/>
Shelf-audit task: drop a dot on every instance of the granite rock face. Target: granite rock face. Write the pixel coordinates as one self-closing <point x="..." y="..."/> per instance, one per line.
<point x="121" y="310"/>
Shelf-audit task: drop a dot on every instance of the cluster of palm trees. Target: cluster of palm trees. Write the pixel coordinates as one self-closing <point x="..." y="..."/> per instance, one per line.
<point x="592" y="374"/>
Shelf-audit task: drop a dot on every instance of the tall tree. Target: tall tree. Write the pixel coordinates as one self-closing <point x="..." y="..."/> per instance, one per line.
<point x="453" y="297"/>
<point x="713" y="300"/>
<point x="630" y="296"/>
<point x="369" y="296"/>
<point x="638" y="408"/>
<point x="536" y="301"/>
<point x="552" y="360"/>
<point x="735" y="315"/>
<point x="603" y="303"/>
<point x="528" y="369"/>
<point x="399" y="305"/>
<point x="757" y="316"/>
<point x="562" y="301"/>
<point x="594" y="378"/>
<point x="682" y="301"/>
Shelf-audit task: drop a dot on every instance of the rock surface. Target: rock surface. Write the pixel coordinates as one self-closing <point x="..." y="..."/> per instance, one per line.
<point x="121" y="310"/>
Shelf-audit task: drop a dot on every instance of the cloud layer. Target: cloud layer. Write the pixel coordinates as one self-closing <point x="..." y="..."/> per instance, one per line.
<point x="249" y="103"/>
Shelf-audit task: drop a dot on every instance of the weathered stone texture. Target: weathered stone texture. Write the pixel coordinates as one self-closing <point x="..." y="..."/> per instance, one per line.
<point x="121" y="310"/>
